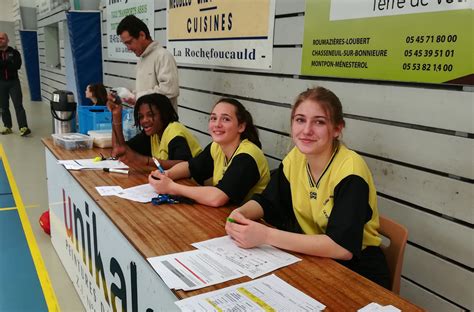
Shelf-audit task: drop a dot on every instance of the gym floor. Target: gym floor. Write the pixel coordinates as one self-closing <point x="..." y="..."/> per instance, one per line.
<point x="32" y="277"/>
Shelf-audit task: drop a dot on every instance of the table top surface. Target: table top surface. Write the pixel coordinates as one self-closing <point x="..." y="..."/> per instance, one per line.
<point x="165" y="229"/>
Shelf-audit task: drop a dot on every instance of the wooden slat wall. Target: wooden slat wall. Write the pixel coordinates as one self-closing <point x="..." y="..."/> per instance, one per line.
<point x="417" y="140"/>
<point x="52" y="79"/>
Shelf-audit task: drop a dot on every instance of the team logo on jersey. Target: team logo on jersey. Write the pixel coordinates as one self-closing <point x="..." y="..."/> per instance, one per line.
<point x="327" y="200"/>
<point x="313" y="195"/>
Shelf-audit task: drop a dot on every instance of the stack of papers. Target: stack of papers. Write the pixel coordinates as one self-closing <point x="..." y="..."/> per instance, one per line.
<point x="216" y="261"/>
<point x="253" y="262"/>
<point x="194" y="269"/>
<point x="268" y="293"/>
<point x="79" y="164"/>
<point x="140" y="193"/>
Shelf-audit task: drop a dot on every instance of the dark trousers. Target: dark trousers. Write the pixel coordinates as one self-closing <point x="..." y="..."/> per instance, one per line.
<point x="12" y="88"/>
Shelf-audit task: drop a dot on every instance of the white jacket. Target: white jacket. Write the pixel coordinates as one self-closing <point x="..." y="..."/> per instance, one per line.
<point x="157" y="73"/>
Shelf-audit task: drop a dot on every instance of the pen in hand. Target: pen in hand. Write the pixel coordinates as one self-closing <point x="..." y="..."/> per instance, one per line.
<point x="233" y="221"/>
<point x="157" y="163"/>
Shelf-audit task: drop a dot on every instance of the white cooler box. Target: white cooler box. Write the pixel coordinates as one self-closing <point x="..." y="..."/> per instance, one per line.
<point x="102" y="138"/>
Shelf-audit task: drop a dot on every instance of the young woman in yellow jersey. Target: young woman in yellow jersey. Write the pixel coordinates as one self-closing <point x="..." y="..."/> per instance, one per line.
<point x="322" y="199"/>
<point x="233" y="161"/>
<point x="162" y="136"/>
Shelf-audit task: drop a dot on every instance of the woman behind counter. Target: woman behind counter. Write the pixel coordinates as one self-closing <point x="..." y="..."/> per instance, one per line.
<point x="233" y="161"/>
<point x="322" y="199"/>
<point x="97" y="93"/>
<point x="162" y="136"/>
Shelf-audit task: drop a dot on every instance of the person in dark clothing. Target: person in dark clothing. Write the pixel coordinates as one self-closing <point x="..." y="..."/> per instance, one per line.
<point x="10" y="63"/>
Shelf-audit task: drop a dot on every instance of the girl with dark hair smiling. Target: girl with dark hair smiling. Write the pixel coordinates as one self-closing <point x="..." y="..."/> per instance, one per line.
<point x="233" y="161"/>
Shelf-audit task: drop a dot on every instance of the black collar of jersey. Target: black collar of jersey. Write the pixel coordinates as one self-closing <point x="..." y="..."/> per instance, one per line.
<point x="310" y="176"/>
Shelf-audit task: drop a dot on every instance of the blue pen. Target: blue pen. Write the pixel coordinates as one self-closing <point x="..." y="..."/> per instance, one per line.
<point x="157" y="163"/>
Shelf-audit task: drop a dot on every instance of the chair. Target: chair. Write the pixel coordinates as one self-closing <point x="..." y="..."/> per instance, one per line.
<point x="398" y="236"/>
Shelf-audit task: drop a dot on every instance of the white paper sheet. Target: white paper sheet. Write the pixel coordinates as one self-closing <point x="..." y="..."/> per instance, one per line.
<point x="78" y="164"/>
<point x="108" y="190"/>
<point x="91" y="164"/>
<point x="70" y="164"/>
<point x="194" y="269"/>
<point x="140" y="193"/>
<point x="254" y="262"/>
<point x="375" y="307"/>
<point x="262" y="294"/>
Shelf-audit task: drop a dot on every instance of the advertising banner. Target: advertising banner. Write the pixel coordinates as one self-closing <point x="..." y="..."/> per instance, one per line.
<point x="108" y="273"/>
<point x="116" y="11"/>
<point x="222" y="32"/>
<point x="427" y="41"/>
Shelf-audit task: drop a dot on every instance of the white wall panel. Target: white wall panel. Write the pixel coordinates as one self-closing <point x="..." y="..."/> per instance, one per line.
<point x="441" y="276"/>
<point x="288" y="30"/>
<point x="289" y="7"/>
<point x="160" y="19"/>
<point x="414" y="105"/>
<point x="112" y="81"/>
<point x="426" y="299"/>
<point x="412" y="146"/>
<point x="439" y="235"/>
<point x="272" y="117"/>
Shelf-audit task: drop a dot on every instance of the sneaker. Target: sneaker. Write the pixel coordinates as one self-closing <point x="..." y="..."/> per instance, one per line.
<point x="24" y="131"/>
<point x="6" y="131"/>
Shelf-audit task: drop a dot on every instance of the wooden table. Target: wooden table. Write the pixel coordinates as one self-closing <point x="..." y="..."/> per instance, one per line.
<point x="160" y="230"/>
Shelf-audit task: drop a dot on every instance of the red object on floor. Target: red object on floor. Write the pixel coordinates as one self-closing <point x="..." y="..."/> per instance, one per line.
<point x="44" y="222"/>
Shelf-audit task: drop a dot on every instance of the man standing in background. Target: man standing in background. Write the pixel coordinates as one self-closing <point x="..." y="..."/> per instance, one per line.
<point x="156" y="67"/>
<point x="10" y="63"/>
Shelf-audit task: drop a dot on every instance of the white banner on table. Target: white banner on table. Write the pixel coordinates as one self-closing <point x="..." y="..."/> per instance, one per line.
<point x="109" y="274"/>
<point x="254" y="262"/>
<point x="222" y="32"/>
<point x="116" y="11"/>
<point x="268" y="293"/>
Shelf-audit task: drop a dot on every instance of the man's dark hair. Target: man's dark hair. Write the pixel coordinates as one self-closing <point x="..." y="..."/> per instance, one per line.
<point x="133" y="25"/>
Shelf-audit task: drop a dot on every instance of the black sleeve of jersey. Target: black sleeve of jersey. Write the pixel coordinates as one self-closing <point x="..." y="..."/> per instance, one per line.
<point x="349" y="214"/>
<point x="239" y="178"/>
<point x="277" y="204"/>
<point x="141" y="144"/>
<point x="178" y="149"/>
<point x="201" y="167"/>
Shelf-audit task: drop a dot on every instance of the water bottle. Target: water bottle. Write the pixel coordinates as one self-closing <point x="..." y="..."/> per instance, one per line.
<point x="129" y="129"/>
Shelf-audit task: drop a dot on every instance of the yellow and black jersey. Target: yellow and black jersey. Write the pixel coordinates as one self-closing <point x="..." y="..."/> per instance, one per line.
<point x="341" y="204"/>
<point x="176" y="143"/>
<point x="245" y="174"/>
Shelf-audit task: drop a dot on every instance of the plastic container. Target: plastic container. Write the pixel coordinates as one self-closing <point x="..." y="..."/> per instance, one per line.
<point x="102" y="138"/>
<point x="94" y="118"/>
<point x="72" y="141"/>
<point x="100" y="118"/>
